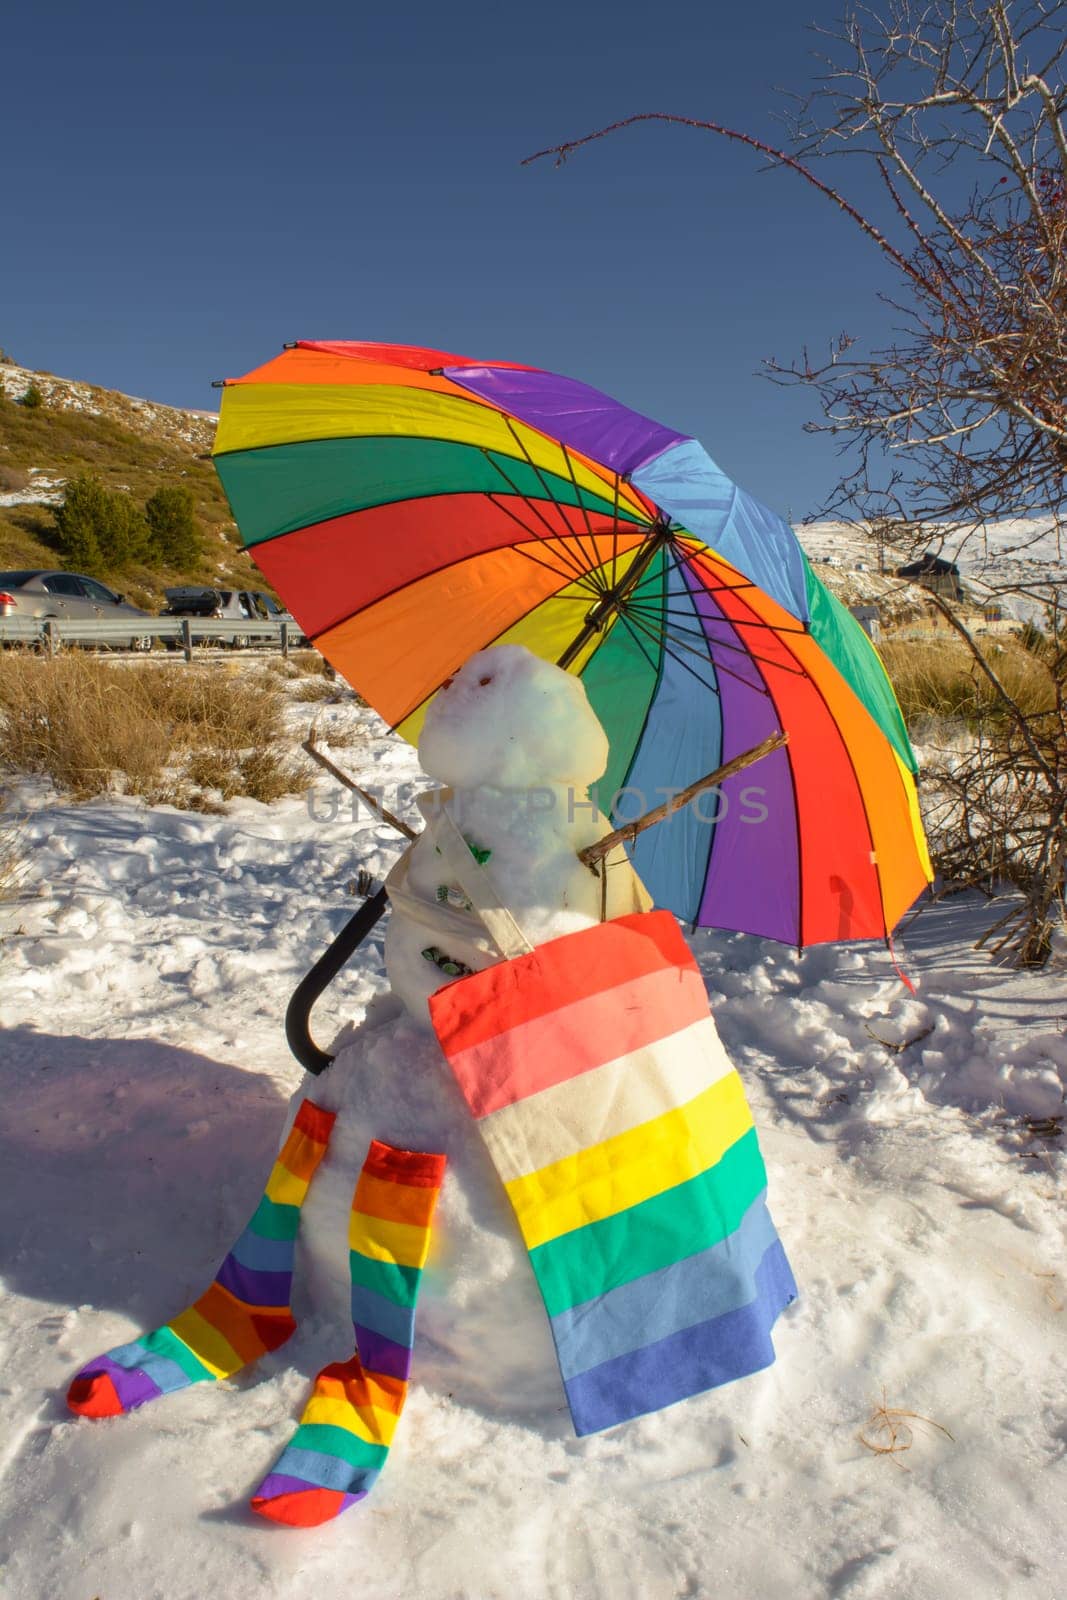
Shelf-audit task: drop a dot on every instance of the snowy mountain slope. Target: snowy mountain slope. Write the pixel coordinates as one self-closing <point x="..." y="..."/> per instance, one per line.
<point x="171" y="424"/>
<point x="1010" y="554"/>
<point x="146" y="972"/>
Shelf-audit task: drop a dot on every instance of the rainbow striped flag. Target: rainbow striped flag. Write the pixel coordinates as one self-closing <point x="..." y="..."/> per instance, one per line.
<point x="624" y="1140"/>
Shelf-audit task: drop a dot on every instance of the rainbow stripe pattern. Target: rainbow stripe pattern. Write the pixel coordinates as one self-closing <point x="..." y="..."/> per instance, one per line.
<point x="624" y="1140"/>
<point x="340" y="1446"/>
<point x="413" y="506"/>
<point x="243" y="1314"/>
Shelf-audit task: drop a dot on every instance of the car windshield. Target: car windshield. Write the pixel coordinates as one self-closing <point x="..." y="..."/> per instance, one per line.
<point x="99" y="591"/>
<point x="15" y="580"/>
<point x="272" y="605"/>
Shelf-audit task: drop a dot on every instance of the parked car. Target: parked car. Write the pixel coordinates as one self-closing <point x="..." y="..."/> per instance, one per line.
<point x="269" y="607"/>
<point x="240" y="605"/>
<point x="68" y="596"/>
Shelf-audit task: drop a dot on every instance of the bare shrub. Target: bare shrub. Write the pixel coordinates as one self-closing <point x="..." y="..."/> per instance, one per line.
<point x="995" y="791"/>
<point x="13" y="478"/>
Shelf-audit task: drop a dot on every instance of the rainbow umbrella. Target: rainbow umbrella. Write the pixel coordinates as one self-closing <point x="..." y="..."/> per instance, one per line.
<point x="412" y="507"/>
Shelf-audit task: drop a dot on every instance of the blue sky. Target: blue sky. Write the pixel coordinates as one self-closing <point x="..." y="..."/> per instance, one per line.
<point x="187" y="188"/>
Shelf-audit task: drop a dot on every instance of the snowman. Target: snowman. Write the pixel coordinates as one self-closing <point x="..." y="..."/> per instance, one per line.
<point x="546" y="1058"/>
<point x="383" y="1190"/>
<point x="515" y="745"/>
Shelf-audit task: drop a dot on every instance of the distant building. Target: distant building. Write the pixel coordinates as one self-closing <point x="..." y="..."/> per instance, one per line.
<point x="936" y="574"/>
<point x="869" y="619"/>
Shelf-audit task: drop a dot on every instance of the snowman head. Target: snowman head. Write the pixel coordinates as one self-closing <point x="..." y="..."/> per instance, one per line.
<point x="509" y="719"/>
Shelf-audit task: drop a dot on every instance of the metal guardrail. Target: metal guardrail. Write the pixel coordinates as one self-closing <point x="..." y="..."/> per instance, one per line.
<point x="51" y="633"/>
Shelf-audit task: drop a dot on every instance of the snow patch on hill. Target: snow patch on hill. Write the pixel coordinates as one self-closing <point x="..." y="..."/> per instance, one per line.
<point x="43" y="489"/>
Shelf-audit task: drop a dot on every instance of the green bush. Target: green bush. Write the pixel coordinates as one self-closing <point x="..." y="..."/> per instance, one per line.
<point x="33" y="399"/>
<point x="97" y="530"/>
<point x="173" y="530"/>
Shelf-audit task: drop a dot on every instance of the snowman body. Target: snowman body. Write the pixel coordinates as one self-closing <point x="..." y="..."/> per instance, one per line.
<point x="516" y="746"/>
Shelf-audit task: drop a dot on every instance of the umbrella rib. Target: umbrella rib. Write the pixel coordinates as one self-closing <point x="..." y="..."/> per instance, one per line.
<point x="661" y="639"/>
<point x="576" y="569"/>
<point x="581" y="504"/>
<point x="720" y="666"/>
<point x="541" y="480"/>
<point x="591" y="592"/>
<point x="564" y="572"/>
<point x="754" y="622"/>
<point x="615" y="532"/>
<point x="716" y="665"/>
<point x="595" y="560"/>
<point x="622" y="617"/>
<point x="650" y="611"/>
<point x="547" y="600"/>
<point x="578" y="492"/>
<point x="731" y="588"/>
<point x="682" y="555"/>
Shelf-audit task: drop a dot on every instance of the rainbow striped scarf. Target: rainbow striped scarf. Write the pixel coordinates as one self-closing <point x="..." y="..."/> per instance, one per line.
<point x="624" y="1140"/>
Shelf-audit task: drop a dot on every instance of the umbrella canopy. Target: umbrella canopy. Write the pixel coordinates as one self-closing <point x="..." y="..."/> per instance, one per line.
<point x="413" y="507"/>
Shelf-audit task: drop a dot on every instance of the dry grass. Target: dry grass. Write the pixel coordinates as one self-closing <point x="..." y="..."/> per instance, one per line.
<point x="892" y="1431"/>
<point x="302" y="664"/>
<point x="939" y="679"/>
<point x="310" y="663"/>
<point x="182" y="735"/>
<point x="312" y="689"/>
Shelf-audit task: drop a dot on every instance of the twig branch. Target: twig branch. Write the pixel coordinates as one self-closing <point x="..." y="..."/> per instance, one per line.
<point x="562" y="151"/>
<point x="342" y="777"/>
<point x="594" y="853"/>
<point x="1017" y="714"/>
<point x="897" y="1047"/>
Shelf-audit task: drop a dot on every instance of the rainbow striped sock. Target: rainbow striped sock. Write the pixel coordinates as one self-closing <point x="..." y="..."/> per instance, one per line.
<point x="244" y="1313"/>
<point x="343" y="1438"/>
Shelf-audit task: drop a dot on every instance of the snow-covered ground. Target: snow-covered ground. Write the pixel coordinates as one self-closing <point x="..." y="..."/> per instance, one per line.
<point x="146" y="970"/>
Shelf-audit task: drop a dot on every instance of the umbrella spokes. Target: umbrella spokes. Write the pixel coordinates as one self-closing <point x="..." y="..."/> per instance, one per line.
<point x="611" y="603"/>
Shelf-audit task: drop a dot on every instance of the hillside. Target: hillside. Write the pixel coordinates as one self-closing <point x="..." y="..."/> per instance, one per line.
<point x="130" y="444"/>
<point x="1021" y="553"/>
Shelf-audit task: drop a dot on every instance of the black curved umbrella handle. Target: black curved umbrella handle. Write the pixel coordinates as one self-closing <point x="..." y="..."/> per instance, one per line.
<point x="322" y="974"/>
